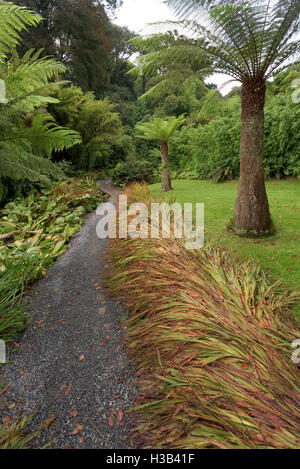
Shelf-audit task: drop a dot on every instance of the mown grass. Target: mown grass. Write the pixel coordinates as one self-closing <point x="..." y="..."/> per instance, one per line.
<point x="211" y="338"/>
<point x="280" y="254"/>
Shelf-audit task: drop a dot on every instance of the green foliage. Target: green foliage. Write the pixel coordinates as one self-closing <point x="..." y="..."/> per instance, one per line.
<point x="211" y="150"/>
<point x="173" y="60"/>
<point x="160" y="129"/>
<point x="133" y="170"/>
<point x="33" y="232"/>
<point x="123" y="49"/>
<point x="282" y="138"/>
<point x="25" y="140"/>
<point x="15" y="434"/>
<point x="76" y="32"/>
<point x="66" y="167"/>
<point x="103" y="140"/>
<point x="13" y="19"/>
<point x="26" y="79"/>
<point x="245" y="40"/>
<point x="46" y="137"/>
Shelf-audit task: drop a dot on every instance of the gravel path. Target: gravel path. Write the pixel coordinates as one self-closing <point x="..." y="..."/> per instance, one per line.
<point x="71" y="367"/>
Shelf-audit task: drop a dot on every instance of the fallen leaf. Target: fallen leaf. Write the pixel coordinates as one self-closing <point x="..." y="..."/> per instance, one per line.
<point x="121" y="415"/>
<point x="77" y="429"/>
<point x="111" y="422"/>
<point x="69" y="387"/>
<point x="49" y="422"/>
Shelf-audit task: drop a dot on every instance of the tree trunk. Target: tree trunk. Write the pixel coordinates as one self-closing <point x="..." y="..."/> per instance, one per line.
<point x="165" y="173"/>
<point x="252" y="214"/>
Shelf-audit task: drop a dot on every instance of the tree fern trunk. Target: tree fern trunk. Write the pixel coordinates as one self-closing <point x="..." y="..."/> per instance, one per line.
<point x="165" y="174"/>
<point x="252" y="215"/>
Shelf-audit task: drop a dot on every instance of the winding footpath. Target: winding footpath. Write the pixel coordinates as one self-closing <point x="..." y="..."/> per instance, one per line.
<point x="71" y="368"/>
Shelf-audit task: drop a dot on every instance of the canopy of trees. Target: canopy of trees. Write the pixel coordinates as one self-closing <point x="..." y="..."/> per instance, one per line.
<point x="107" y="93"/>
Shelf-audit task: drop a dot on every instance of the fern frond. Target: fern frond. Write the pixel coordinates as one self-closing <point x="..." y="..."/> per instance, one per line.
<point x="172" y="58"/>
<point x="47" y="137"/>
<point x="17" y="163"/>
<point x="26" y="78"/>
<point x="244" y="39"/>
<point x="14" y="19"/>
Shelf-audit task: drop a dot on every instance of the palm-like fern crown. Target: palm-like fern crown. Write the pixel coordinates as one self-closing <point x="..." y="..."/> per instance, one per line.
<point x="159" y="129"/>
<point x="245" y="39"/>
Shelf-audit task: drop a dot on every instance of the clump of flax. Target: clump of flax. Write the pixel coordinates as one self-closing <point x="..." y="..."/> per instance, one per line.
<point x="212" y="342"/>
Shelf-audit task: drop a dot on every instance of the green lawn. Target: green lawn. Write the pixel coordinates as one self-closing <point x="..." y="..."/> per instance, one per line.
<point x="280" y="254"/>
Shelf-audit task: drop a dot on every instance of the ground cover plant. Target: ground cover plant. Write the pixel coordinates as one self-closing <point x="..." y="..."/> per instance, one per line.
<point x="213" y="351"/>
<point x="34" y="231"/>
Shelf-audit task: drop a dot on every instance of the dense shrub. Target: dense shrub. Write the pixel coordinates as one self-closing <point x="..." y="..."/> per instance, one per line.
<point x="100" y="127"/>
<point x="209" y="151"/>
<point x="282" y="138"/>
<point x="212" y="150"/>
<point x="173" y="106"/>
<point x="133" y="170"/>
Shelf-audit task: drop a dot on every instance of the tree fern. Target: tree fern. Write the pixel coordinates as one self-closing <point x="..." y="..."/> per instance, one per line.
<point x="250" y="41"/>
<point x="161" y="130"/>
<point x="27" y="80"/>
<point x="245" y="38"/>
